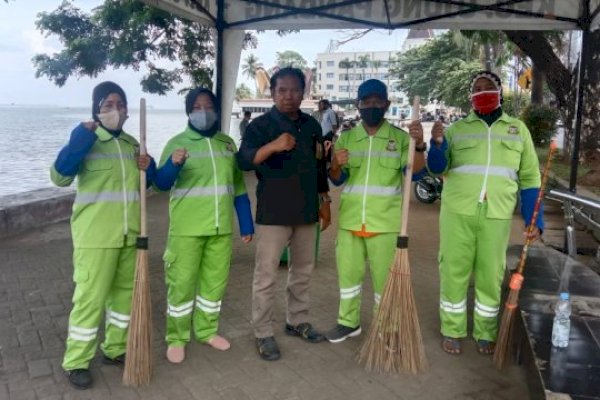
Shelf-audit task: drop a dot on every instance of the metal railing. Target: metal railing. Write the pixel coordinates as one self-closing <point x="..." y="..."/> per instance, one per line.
<point x="575" y="206"/>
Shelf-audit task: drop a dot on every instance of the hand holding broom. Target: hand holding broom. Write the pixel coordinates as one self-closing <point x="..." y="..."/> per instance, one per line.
<point x="505" y="335"/>
<point x="394" y="341"/>
<point x="138" y="362"/>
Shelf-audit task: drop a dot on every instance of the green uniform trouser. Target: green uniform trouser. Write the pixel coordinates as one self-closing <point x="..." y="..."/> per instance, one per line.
<point x="352" y="253"/>
<point x="471" y="244"/>
<point x="103" y="282"/>
<point x="196" y="271"/>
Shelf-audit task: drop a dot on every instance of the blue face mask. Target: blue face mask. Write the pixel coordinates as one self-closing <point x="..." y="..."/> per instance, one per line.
<point x="203" y="119"/>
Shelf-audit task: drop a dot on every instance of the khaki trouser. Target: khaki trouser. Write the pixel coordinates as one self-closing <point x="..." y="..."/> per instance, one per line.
<point x="270" y="242"/>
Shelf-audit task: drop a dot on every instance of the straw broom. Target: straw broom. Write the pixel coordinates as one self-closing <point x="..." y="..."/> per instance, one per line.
<point x="394" y="341"/>
<point x="507" y="324"/>
<point x="138" y="362"/>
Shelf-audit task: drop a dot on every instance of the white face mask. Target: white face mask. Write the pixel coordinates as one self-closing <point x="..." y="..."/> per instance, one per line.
<point x="112" y="120"/>
<point x="203" y="119"/>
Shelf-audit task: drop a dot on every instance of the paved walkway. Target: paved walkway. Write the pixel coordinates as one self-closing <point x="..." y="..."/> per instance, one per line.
<point x="35" y="299"/>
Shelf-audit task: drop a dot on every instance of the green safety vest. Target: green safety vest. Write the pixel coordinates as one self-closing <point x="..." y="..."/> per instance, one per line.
<point x="201" y="200"/>
<point x="488" y="163"/>
<point x="106" y="210"/>
<point x="372" y="194"/>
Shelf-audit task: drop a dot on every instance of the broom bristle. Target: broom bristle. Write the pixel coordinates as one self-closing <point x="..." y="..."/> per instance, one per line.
<point x="504" y="342"/>
<point x="394" y="341"/>
<point x="138" y="362"/>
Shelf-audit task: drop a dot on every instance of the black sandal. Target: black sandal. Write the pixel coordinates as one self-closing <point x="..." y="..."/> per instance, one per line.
<point x="452" y="346"/>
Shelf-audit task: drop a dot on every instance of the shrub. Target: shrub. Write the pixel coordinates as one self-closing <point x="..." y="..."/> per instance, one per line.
<point x="541" y="121"/>
<point x="514" y="104"/>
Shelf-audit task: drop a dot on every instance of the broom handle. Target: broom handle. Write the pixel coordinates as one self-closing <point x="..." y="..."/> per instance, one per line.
<point x="142" y="172"/>
<point x="409" y="173"/>
<point x="536" y="209"/>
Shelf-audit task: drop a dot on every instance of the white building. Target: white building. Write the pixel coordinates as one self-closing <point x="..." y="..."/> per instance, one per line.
<point x="340" y="73"/>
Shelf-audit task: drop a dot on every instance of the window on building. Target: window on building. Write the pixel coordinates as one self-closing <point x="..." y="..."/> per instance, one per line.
<point x="331" y="75"/>
<point x="330" y="63"/>
<point x="329" y="87"/>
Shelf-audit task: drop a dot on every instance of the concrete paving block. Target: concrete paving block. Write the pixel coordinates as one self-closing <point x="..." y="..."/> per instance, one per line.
<point x="234" y="393"/>
<point x="39" y="368"/>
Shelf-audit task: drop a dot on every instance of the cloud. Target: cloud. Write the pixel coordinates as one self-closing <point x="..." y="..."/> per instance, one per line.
<point x="37" y="43"/>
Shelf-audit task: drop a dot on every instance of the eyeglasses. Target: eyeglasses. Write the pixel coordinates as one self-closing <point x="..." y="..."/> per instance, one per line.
<point x="110" y="105"/>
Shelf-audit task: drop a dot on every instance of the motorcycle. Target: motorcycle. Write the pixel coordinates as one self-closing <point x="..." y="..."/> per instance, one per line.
<point x="428" y="189"/>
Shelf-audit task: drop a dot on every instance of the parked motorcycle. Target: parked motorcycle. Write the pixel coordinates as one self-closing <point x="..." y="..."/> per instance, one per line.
<point x="429" y="188"/>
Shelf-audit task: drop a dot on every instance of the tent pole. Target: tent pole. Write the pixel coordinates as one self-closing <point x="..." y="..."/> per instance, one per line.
<point x="220" y="25"/>
<point x="581" y="84"/>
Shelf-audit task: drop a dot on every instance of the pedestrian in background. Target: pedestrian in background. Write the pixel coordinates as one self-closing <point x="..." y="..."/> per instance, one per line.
<point x="244" y="123"/>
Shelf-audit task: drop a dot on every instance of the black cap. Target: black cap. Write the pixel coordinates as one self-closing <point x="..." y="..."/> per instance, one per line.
<point x="193" y="94"/>
<point x="101" y="92"/>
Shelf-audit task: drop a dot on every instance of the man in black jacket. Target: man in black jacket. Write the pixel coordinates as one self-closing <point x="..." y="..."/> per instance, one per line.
<point x="285" y="148"/>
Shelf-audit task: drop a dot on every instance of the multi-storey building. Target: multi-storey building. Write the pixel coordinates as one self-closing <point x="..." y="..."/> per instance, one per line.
<point x="339" y="74"/>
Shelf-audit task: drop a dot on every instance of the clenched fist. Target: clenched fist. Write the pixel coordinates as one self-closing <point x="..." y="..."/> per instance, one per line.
<point x="415" y="130"/>
<point x="340" y="158"/>
<point x="179" y="156"/>
<point x="437" y="132"/>
<point x="284" y="142"/>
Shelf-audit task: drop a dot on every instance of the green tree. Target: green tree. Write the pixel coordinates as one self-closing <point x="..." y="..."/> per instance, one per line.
<point x="243" y="92"/>
<point x="290" y="58"/>
<point x="436" y="70"/>
<point x="346" y="64"/>
<point x="128" y="34"/>
<point x="250" y="66"/>
<point x="363" y="63"/>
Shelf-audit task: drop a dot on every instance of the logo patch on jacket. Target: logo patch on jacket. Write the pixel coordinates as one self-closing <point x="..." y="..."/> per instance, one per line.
<point x="230" y="147"/>
<point x="513" y="130"/>
<point x="391" y="146"/>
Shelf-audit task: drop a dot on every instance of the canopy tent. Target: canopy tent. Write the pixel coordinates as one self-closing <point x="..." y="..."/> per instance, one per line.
<point x="231" y="17"/>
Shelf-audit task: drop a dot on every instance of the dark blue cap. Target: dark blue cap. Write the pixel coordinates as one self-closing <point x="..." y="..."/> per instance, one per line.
<point x="372" y="87"/>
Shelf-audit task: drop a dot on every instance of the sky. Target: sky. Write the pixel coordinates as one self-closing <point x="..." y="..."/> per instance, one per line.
<point x="20" y="41"/>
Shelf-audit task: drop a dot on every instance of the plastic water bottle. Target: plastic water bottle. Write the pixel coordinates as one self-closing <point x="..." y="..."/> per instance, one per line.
<point x="562" y="323"/>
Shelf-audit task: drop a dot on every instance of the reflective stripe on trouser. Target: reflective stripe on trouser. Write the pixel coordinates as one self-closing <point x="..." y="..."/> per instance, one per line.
<point x="196" y="273"/>
<point x="471" y="244"/>
<point x="352" y="253"/>
<point x="270" y="242"/>
<point x="103" y="286"/>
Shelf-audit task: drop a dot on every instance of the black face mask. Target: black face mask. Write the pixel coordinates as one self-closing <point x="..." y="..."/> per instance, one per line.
<point x="372" y="116"/>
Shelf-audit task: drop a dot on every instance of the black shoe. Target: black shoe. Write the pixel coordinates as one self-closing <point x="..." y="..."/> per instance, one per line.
<point x="341" y="333"/>
<point x="268" y="349"/>
<point x="80" y="378"/>
<point x="305" y="331"/>
<point x="119" y="361"/>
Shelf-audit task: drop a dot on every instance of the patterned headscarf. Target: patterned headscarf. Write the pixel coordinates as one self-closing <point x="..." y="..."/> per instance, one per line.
<point x="489" y="75"/>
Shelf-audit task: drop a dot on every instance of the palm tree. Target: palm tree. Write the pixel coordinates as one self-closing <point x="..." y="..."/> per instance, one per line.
<point x="249" y="68"/>
<point x="346" y="64"/>
<point x="375" y="65"/>
<point x="363" y="63"/>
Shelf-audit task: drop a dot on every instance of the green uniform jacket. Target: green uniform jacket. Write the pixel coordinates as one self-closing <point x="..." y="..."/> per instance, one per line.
<point x="106" y="211"/>
<point x="488" y="162"/>
<point x="201" y="202"/>
<point x="373" y="192"/>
